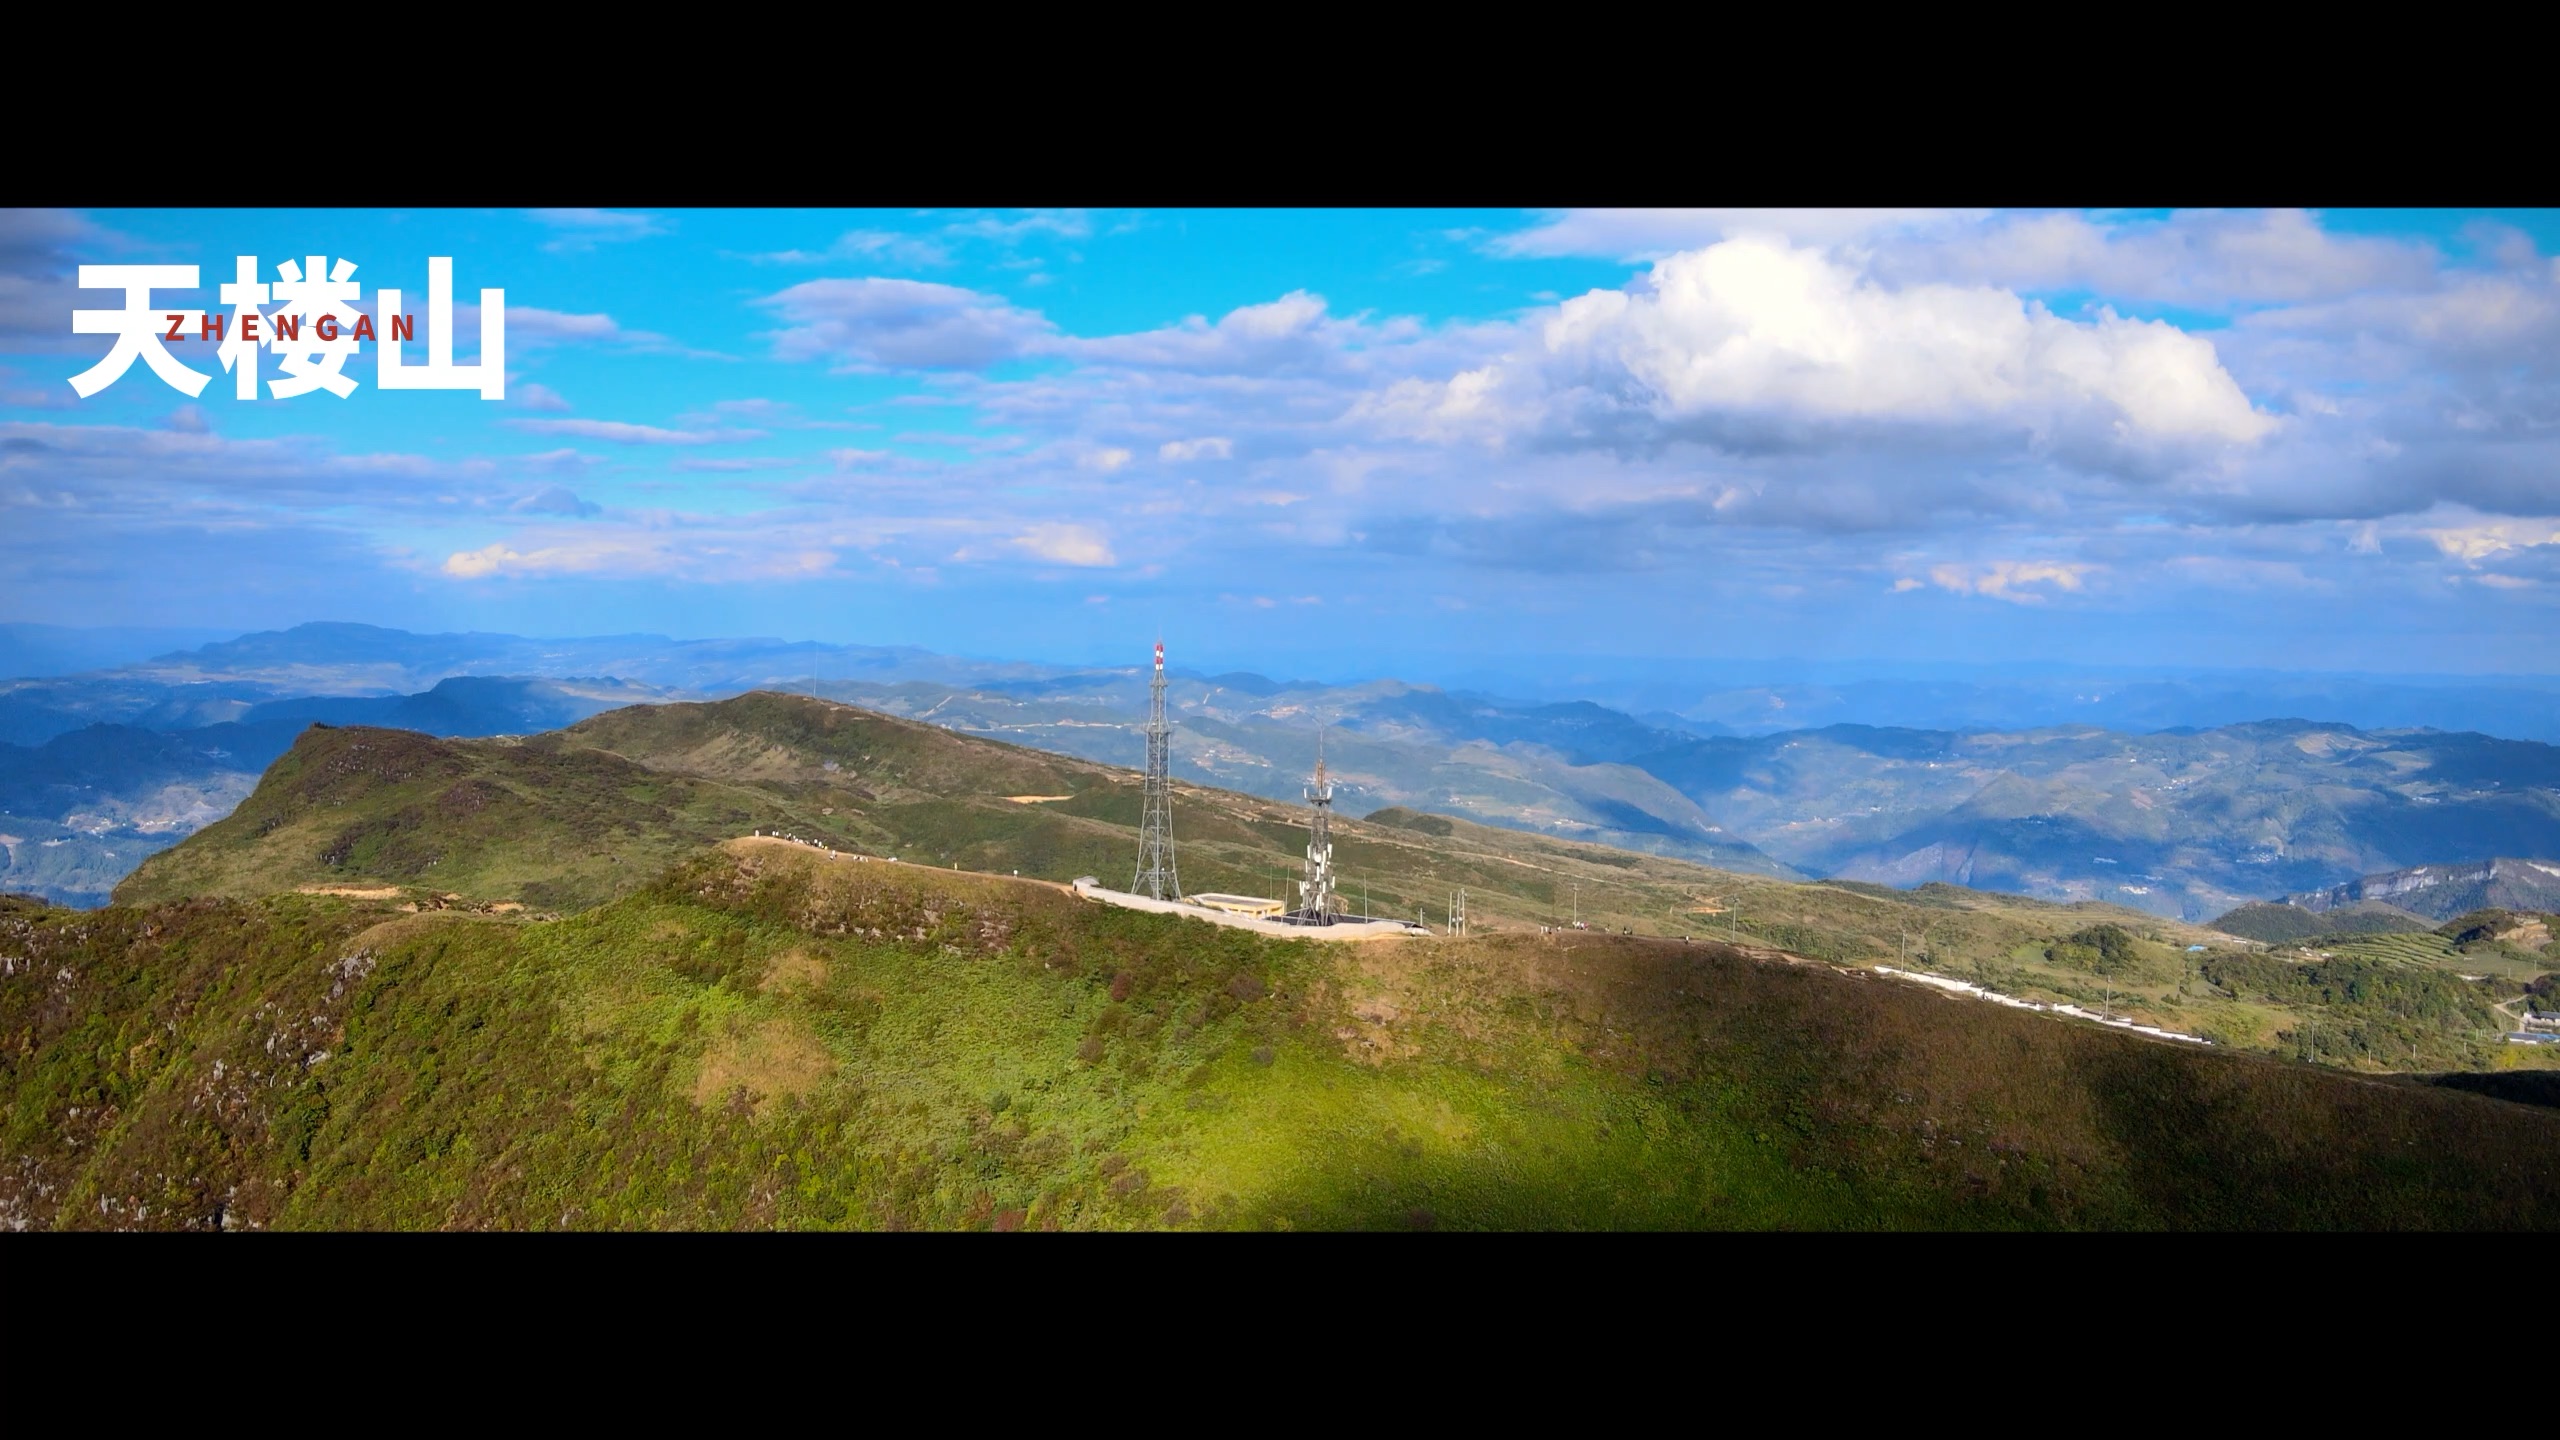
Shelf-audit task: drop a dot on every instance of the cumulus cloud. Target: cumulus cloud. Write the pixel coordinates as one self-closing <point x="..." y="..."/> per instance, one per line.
<point x="880" y="323"/>
<point x="1067" y="544"/>
<point x="2475" y="543"/>
<point x="2008" y="579"/>
<point x="1208" y="447"/>
<point x="1294" y="333"/>
<point x="2208" y="258"/>
<point x="1757" y="326"/>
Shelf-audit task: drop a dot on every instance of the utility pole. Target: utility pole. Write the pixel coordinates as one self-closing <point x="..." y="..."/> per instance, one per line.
<point x="1577" y="904"/>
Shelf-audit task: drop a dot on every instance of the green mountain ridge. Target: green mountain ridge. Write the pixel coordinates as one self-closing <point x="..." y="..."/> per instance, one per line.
<point x="574" y="818"/>
<point x="542" y="982"/>
<point x="763" y="1037"/>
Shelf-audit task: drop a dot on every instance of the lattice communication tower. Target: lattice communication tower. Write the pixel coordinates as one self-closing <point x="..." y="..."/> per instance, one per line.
<point x="1156" y="876"/>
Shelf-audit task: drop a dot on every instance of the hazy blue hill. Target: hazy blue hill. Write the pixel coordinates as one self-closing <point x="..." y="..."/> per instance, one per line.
<point x="465" y="705"/>
<point x="1386" y="744"/>
<point x="324" y="658"/>
<point x="1761" y="698"/>
<point x="80" y="811"/>
<point x="2188" y="823"/>
<point x="338" y="643"/>
<point x="39" y="650"/>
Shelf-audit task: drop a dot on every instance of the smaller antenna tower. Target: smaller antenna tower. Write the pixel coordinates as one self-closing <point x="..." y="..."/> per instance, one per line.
<point x="1317" y="902"/>
<point x="1458" y="913"/>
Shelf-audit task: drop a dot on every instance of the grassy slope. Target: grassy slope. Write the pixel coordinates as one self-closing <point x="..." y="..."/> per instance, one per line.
<point x="573" y="818"/>
<point x="767" y="1038"/>
<point x="542" y="822"/>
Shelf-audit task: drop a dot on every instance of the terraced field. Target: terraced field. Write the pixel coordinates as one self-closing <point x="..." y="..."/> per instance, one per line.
<point x="2438" y="952"/>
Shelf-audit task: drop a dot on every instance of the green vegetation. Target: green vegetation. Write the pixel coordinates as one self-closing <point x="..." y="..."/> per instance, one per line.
<point x="2281" y="924"/>
<point x="2366" y="1009"/>
<point x="2100" y="950"/>
<point x="562" y="822"/>
<point x="764" y="1037"/>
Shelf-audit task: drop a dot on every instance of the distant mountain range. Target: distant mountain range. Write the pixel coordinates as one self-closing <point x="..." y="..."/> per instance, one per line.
<point x="106" y="767"/>
<point x="2441" y="892"/>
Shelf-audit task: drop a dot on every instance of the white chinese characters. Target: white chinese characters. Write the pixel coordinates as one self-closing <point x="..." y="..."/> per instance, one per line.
<point x="313" y="329"/>
<point x="136" y="326"/>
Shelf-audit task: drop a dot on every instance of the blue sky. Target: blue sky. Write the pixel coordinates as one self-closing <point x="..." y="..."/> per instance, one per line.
<point x="1349" y="443"/>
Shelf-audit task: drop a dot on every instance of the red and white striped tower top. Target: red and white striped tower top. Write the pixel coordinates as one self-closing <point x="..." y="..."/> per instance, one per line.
<point x="1159" y="655"/>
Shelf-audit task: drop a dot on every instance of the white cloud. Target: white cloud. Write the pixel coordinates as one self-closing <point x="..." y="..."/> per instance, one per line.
<point x="2004" y="579"/>
<point x="880" y="323"/>
<point x="1209" y="447"/>
<point x="1067" y="544"/>
<point x="582" y="230"/>
<point x="690" y="554"/>
<point x="623" y="433"/>
<point x="1291" y="334"/>
<point x="1064" y="224"/>
<point x="2190" y="258"/>
<point x="2472" y="544"/>
<point x="563" y="461"/>
<point x="1759" y="324"/>
<point x="1726" y="342"/>
<point x="1103" y="459"/>
<point x="1652" y="234"/>
<point x="537" y="396"/>
<point x="530" y="327"/>
<point x="882" y="247"/>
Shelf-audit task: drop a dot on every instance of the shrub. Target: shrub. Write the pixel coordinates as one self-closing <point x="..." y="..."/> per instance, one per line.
<point x="2103" y="949"/>
<point x="1122" y="984"/>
